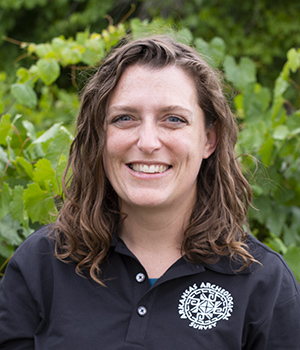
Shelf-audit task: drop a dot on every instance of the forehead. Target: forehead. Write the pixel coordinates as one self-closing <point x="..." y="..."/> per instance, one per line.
<point x="170" y="82"/>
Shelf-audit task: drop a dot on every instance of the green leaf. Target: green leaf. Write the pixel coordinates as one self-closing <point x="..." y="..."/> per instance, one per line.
<point x="247" y="71"/>
<point x="25" y="165"/>
<point x="252" y="137"/>
<point x="266" y="151"/>
<point x="253" y="104"/>
<point x="23" y="75"/>
<point x="3" y="156"/>
<point x="44" y="174"/>
<point x="276" y="244"/>
<point x="275" y="221"/>
<point x="4" y="200"/>
<point x="59" y="146"/>
<point x="240" y="75"/>
<point x="185" y="36"/>
<point x="29" y="127"/>
<point x="6" y="250"/>
<point x="38" y="203"/>
<point x="90" y="57"/>
<point x="290" y="235"/>
<point x="10" y="150"/>
<point x="281" y="86"/>
<point x="43" y="50"/>
<point x="48" y="135"/>
<point x="49" y="70"/>
<point x="16" y="118"/>
<point x="231" y="69"/>
<point x="263" y="95"/>
<point x="9" y="230"/>
<point x="280" y="132"/>
<point x="70" y="56"/>
<point x="288" y="147"/>
<point x="24" y="94"/>
<point x="204" y="50"/>
<point x="293" y="59"/>
<point x="81" y="37"/>
<point x="94" y="52"/>
<point x="238" y="101"/>
<point x="58" y="44"/>
<point x="5" y="128"/>
<point x="217" y="46"/>
<point x="263" y="209"/>
<point x="96" y="45"/>
<point x="292" y="258"/>
<point x="16" y="205"/>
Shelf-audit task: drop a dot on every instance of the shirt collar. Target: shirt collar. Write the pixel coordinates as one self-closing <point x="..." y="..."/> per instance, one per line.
<point x="224" y="265"/>
<point x="233" y="267"/>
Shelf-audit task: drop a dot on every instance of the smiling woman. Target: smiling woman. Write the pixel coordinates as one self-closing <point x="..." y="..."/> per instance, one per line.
<point x="165" y="131"/>
<point x="148" y="250"/>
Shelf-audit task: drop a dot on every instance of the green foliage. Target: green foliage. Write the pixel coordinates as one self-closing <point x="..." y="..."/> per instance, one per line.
<point x="38" y="107"/>
<point x="33" y="145"/>
<point x="41" y="20"/>
<point x="270" y="131"/>
<point x="261" y="29"/>
<point x="31" y="169"/>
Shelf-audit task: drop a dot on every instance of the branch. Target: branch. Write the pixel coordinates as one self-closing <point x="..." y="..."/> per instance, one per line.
<point x="14" y="41"/>
<point x="7" y="108"/>
<point x="129" y="13"/>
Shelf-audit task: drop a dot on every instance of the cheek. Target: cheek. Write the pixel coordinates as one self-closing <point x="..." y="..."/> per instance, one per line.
<point x="191" y="147"/>
<point x="107" y="156"/>
<point x="113" y="145"/>
<point x="114" y="150"/>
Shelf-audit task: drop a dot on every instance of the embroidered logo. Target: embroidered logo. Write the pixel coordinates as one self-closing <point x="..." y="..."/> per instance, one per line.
<point x="204" y="306"/>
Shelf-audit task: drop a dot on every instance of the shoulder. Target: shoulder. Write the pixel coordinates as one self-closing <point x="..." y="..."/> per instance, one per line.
<point x="272" y="271"/>
<point x="36" y="247"/>
<point x="269" y="275"/>
<point x="266" y="256"/>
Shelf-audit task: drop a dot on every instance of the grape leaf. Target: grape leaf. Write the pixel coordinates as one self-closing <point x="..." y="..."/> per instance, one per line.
<point x="24" y="94"/>
<point x="38" y="203"/>
<point x="4" y="200"/>
<point x="49" y="70"/>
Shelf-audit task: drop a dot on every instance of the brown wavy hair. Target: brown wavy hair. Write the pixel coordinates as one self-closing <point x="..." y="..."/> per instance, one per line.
<point x="90" y="214"/>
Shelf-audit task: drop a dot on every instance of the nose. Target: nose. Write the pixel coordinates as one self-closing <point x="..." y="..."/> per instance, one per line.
<point x="148" y="140"/>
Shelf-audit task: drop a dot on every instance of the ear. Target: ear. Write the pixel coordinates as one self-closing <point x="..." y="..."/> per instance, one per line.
<point x="211" y="141"/>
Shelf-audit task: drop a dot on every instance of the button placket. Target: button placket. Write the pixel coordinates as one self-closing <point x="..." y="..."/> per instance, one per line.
<point x="140" y="316"/>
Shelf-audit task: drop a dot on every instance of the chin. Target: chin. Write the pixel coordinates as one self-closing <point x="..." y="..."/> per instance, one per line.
<point x="144" y="203"/>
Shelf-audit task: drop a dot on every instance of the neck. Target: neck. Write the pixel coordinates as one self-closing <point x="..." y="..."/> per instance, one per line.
<point x="155" y="236"/>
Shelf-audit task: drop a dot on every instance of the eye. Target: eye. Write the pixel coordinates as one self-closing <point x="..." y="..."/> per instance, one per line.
<point x="175" y="119"/>
<point x="123" y="121"/>
<point x="122" y="118"/>
<point x="175" y="122"/>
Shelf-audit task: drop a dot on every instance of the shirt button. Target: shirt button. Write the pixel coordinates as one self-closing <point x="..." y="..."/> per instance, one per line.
<point x="140" y="277"/>
<point x="142" y="311"/>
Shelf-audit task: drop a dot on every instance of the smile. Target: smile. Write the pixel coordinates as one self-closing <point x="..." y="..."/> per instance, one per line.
<point x="149" y="169"/>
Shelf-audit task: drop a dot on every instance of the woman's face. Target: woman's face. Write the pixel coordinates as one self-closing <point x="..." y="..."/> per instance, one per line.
<point x="155" y="138"/>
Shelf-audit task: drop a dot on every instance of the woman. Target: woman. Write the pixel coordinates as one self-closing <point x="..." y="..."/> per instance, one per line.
<point x="148" y="251"/>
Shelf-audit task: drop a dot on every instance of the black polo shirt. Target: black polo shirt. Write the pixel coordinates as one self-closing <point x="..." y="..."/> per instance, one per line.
<point x="44" y="304"/>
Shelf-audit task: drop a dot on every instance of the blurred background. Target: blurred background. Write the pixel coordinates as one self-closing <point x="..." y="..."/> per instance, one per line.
<point x="49" y="48"/>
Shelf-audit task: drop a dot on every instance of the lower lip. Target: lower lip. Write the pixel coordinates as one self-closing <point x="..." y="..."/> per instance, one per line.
<point x="147" y="176"/>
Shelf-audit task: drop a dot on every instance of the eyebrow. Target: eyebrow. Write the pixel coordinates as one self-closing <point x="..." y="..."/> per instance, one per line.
<point x="165" y="109"/>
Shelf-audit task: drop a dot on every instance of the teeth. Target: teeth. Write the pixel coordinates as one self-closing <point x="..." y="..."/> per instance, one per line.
<point x="152" y="169"/>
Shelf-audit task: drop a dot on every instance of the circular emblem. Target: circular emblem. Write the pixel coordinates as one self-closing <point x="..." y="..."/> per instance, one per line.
<point x="204" y="306"/>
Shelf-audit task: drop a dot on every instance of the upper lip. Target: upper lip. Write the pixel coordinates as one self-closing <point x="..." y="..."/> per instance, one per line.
<point x="148" y="162"/>
<point x="149" y="167"/>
